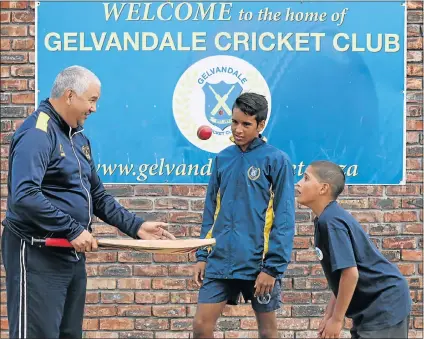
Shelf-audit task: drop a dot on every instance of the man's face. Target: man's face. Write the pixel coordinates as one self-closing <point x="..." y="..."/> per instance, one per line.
<point x="308" y="188"/>
<point x="244" y="128"/>
<point x="81" y="106"/>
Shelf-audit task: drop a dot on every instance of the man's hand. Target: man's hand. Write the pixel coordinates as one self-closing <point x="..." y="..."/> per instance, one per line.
<point x="264" y="284"/>
<point x="152" y="230"/>
<point x="85" y="242"/>
<point x="199" y="272"/>
<point x="332" y="328"/>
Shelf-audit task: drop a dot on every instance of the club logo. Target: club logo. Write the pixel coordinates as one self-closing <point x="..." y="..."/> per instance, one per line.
<point x="319" y="253"/>
<point x="205" y="94"/>
<point x="86" y="151"/>
<point x="253" y="172"/>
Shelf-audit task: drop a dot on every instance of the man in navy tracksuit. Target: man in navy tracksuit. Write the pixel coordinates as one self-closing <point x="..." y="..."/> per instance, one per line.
<point x="250" y="211"/>
<point x="53" y="191"/>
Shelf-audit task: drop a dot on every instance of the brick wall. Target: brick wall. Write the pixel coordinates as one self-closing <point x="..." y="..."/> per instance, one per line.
<point x="142" y="295"/>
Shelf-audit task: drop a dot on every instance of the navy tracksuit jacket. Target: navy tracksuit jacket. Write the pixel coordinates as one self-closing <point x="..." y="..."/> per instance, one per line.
<point x="53" y="191"/>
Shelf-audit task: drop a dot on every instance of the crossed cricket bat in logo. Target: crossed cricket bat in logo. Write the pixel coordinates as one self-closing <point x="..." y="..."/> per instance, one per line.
<point x="221" y="101"/>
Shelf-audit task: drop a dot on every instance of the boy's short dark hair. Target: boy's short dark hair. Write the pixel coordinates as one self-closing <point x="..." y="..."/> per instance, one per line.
<point x="330" y="173"/>
<point x="253" y="104"/>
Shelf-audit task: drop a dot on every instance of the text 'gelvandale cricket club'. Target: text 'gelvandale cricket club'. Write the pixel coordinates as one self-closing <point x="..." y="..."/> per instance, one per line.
<point x="222" y="41"/>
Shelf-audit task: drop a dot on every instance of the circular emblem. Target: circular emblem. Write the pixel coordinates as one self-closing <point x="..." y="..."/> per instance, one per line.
<point x="205" y="94"/>
<point x="253" y="172"/>
<point x="319" y="253"/>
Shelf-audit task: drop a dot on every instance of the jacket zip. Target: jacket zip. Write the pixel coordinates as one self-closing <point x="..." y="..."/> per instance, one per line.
<point x="80" y="174"/>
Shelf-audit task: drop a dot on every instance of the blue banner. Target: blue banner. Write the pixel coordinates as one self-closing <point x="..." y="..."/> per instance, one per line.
<point x="333" y="73"/>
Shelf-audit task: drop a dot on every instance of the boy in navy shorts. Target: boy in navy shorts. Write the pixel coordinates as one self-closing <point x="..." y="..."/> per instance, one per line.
<point x="249" y="210"/>
<point x="366" y="287"/>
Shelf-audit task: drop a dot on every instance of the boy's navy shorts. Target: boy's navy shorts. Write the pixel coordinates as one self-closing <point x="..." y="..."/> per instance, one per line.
<point x="214" y="291"/>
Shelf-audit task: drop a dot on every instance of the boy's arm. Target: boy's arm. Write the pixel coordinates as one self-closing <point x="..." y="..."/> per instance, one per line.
<point x="279" y="247"/>
<point x="347" y="285"/>
<point x="212" y="201"/>
<point x="342" y="257"/>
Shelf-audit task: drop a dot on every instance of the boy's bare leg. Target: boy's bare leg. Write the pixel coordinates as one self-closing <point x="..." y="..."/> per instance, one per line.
<point x="267" y="324"/>
<point x="205" y="319"/>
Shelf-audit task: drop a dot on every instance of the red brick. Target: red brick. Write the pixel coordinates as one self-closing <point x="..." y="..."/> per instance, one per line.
<point x="168" y="284"/>
<point x="173" y="311"/>
<point x="399" y="242"/>
<point x="101" y="335"/>
<point x="410" y="255"/>
<point x="92" y="297"/>
<point x="415" y="43"/>
<point x="151" y="190"/>
<point x="414" y="164"/>
<point x="385" y="203"/>
<point x="13" y="84"/>
<point x="151" y="270"/>
<point x="23" y="17"/>
<point x="171" y="203"/>
<point x="414" y="56"/>
<point x="4" y="325"/>
<point x="413" y="229"/>
<point x="134" y="311"/>
<point x="13" y="30"/>
<point x="117" y="324"/>
<point x="368" y="216"/>
<point x="101" y="283"/>
<point x="102" y="257"/>
<point x="23" y="98"/>
<point x="100" y="311"/>
<point x="181" y="324"/>
<point x="414" y="177"/>
<point x="296" y="297"/>
<point x="14" y="58"/>
<point x="403" y="190"/>
<point x="151" y="324"/>
<point x="23" y="44"/>
<point x="137" y="203"/>
<point x="414" y="83"/>
<point x="117" y="297"/>
<point x="414" y="111"/>
<point x="13" y="4"/>
<point x="90" y="324"/>
<point x="138" y="257"/>
<point x="134" y="283"/>
<point x="152" y="297"/>
<point x="303" y="255"/>
<point x="180" y="270"/>
<point x="185" y="217"/>
<point x="4" y="17"/>
<point x="354" y="203"/>
<point x="5" y="73"/>
<point x="292" y="324"/>
<point x="407" y="269"/>
<point x="413" y="125"/>
<point x="365" y="190"/>
<point x="184" y="297"/>
<point x="189" y="191"/>
<point x="169" y="257"/>
<point x="400" y="216"/>
<point x="414" y="4"/>
<point x="242" y="310"/>
<point x="5" y="44"/>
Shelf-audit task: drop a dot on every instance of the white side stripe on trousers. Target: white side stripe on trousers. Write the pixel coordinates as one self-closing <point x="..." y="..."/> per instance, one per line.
<point x="22" y="294"/>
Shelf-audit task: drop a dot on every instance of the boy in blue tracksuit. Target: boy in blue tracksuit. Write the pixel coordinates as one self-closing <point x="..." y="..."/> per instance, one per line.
<point x="249" y="210"/>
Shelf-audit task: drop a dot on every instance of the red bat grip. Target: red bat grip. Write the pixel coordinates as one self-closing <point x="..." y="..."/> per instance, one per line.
<point x="58" y="242"/>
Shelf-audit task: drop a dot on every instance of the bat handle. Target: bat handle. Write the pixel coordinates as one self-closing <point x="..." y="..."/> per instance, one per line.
<point x="53" y="242"/>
